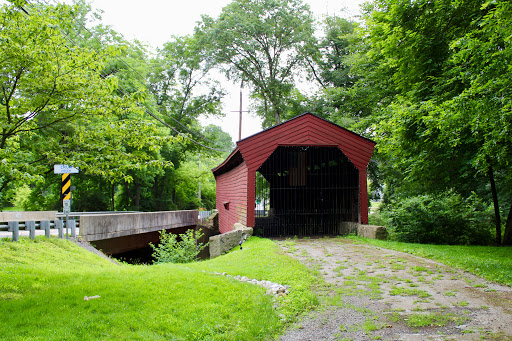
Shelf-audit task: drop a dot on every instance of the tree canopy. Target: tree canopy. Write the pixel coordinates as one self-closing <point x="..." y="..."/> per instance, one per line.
<point x="262" y="43"/>
<point x="428" y="80"/>
<point x="78" y="95"/>
<point x="53" y="95"/>
<point x="446" y="123"/>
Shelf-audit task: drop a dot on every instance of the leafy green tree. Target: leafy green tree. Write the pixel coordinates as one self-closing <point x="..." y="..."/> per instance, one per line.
<point x="179" y="70"/>
<point x="262" y="43"/>
<point x="57" y="106"/>
<point x="178" y="187"/>
<point x="43" y="83"/>
<point x="344" y="98"/>
<point x="445" y="124"/>
<point x="481" y="112"/>
<point x="335" y="49"/>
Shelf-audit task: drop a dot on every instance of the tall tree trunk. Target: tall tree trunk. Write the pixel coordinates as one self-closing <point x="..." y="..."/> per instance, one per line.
<point x="507" y="238"/>
<point x="497" y="218"/>
<point x="277" y="116"/>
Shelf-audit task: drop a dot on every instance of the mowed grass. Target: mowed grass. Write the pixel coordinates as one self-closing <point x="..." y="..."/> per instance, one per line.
<point x="43" y="284"/>
<point x="490" y="262"/>
<point x="262" y="259"/>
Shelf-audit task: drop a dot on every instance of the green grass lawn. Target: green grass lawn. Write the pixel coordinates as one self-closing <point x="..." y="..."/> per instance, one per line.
<point x="262" y="259"/>
<point x="490" y="262"/>
<point x="43" y="284"/>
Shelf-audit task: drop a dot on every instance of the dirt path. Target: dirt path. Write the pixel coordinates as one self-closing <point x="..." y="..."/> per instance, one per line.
<point x="379" y="294"/>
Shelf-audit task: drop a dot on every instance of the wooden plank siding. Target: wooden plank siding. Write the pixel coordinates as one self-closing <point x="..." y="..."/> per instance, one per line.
<point x="253" y="151"/>
<point x="231" y="197"/>
<point x="257" y="148"/>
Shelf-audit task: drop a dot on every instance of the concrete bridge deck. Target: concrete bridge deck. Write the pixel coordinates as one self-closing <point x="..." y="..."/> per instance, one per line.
<point x="117" y="232"/>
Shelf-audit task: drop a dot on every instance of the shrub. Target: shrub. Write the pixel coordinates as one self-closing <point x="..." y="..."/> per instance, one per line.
<point x="170" y="250"/>
<point x="440" y="219"/>
<point x="376" y="218"/>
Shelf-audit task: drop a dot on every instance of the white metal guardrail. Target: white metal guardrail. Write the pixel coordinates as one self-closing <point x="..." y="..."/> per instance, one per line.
<point x="203" y="215"/>
<point x="48" y="226"/>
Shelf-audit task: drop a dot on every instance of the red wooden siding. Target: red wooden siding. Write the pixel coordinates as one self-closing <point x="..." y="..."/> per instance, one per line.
<point x="232" y="191"/>
<point x="311" y="130"/>
<point x="306" y="129"/>
<point x="237" y="184"/>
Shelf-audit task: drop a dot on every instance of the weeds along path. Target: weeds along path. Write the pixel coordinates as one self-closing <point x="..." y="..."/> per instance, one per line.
<point x="378" y="294"/>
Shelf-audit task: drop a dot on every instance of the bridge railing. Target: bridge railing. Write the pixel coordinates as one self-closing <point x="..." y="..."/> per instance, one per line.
<point x="55" y="227"/>
<point x="203" y="215"/>
<point x="14" y="228"/>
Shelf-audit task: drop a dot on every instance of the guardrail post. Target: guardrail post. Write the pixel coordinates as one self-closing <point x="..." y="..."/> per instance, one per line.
<point x="45" y="225"/>
<point x="58" y="225"/>
<point x="14" y="228"/>
<point x="31" y="227"/>
<point x="72" y="225"/>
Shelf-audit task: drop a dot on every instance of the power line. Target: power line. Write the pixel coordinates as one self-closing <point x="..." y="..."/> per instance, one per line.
<point x="120" y="88"/>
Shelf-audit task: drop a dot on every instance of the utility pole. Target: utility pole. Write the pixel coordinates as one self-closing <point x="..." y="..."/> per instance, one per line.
<point x="240" y="120"/>
<point x="240" y="111"/>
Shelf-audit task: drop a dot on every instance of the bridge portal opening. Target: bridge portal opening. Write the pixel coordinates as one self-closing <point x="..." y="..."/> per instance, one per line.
<point x="306" y="191"/>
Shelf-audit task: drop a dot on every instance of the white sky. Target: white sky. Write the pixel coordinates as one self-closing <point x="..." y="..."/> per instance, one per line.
<point x="155" y="21"/>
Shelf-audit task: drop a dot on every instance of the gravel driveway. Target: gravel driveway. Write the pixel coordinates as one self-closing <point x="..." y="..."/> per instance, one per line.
<point x="378" y="294"/>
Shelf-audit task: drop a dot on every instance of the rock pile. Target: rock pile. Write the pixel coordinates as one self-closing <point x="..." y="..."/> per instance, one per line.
<point x="272" y="288"/>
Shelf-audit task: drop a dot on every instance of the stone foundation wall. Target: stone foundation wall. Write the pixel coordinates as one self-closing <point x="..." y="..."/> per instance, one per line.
<point x="347" y="227"/>
<point x="372" y="231"/>
<point x="209" y="228"/>
<point x="223" y="243"/>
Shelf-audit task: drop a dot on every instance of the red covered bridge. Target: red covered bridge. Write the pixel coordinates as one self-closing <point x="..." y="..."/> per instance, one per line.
<point x="305" y="176"/>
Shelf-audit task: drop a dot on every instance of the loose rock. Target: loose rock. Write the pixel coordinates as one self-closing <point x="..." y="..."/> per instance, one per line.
<point x="273" y="288"/>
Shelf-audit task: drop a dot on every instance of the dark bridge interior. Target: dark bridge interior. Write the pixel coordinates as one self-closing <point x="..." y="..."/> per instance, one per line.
<point x="305" y="191"/>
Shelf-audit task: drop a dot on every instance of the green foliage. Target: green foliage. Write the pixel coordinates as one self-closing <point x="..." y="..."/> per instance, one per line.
<point x="434" y="79"/>
<point x="43" y="283"/>
<point x="21" y="197"/>
<point x="170" y="250"/>
<point x="336" y="49"/>
<point x="262" y="43"/>
<point x="179" y="68"/>
<point x="88" y="101"/>
<point x="440" y="219"/>
<point x="61" y="102"/>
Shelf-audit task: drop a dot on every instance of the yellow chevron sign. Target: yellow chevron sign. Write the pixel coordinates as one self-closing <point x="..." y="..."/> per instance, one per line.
<point x="66" y="184"/>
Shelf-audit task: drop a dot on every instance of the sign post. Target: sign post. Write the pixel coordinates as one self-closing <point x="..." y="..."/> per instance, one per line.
<point x="66" y="208"/>
<point x="66" y="172"/>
